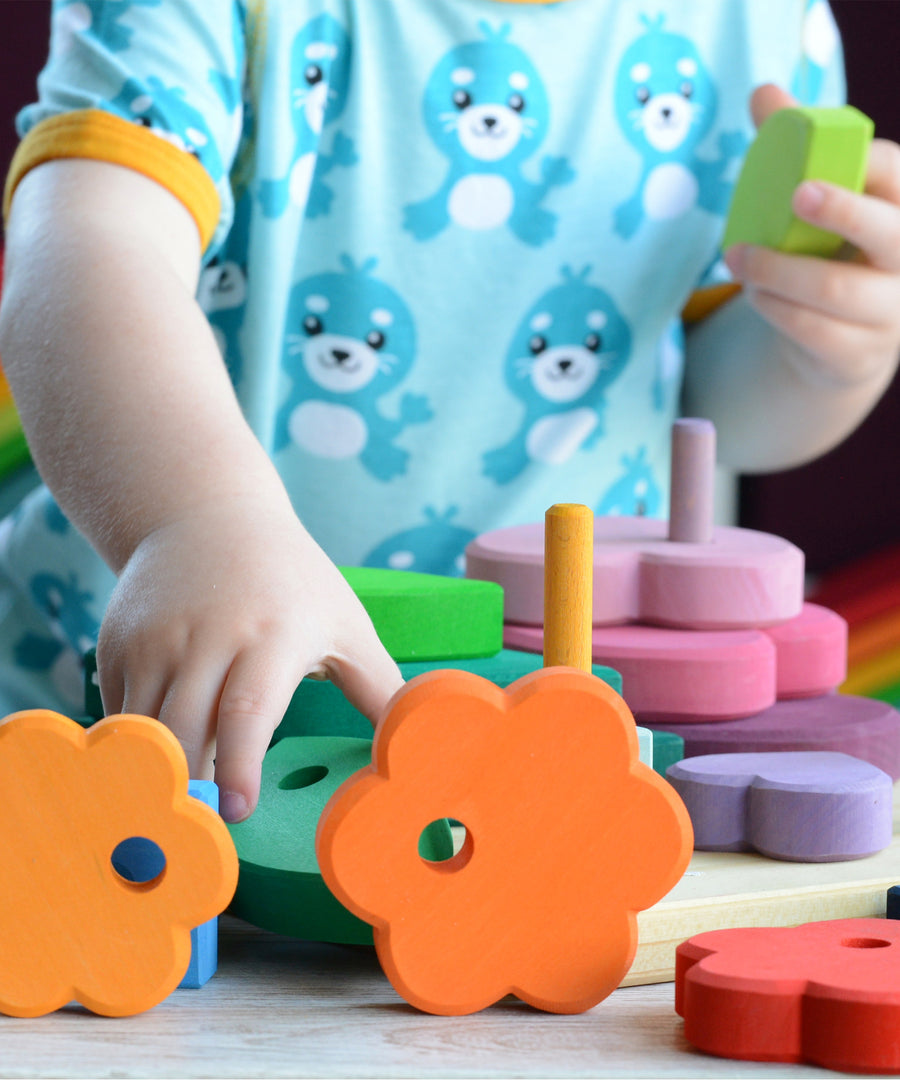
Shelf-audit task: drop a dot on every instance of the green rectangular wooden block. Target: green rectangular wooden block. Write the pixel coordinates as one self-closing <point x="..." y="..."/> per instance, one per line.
<point x="429" y="617"/>
<point x="794" y="145"/>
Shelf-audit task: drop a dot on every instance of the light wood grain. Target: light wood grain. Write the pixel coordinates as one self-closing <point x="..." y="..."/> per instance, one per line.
<point x="280" y="1008"/>
<point x="729" y="889"/>
<point x="568" y="585"/>
<point x="285" y="1008"/>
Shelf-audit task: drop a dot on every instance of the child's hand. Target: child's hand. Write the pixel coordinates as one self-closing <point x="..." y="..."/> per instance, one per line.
<point x="216" y="618"/>
<point x="845" y="315"/>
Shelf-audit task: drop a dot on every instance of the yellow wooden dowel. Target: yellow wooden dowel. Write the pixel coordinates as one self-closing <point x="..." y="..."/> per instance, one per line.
<point x="568" y="585"/>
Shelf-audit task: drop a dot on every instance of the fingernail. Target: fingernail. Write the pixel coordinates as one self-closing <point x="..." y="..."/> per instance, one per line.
<point x="233" y="806"/>
<point x="808" y="198"/>
<point x="734" y="259"/>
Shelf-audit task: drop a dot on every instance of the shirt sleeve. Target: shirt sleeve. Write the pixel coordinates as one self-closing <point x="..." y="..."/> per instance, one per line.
<point x="153" y="85"/>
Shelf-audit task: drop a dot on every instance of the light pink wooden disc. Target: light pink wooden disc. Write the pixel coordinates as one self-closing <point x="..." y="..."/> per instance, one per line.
<point x="812" y="653"/>
<point x="740" y="579"/>
<point x="696" y="675"/>
<point x="708" y="675"/>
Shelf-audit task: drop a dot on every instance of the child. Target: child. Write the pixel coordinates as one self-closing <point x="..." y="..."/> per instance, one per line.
<point x="442" y="247"/>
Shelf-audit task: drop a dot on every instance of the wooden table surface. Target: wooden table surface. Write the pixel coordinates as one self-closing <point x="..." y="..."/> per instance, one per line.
<point x="279" y="1007"/>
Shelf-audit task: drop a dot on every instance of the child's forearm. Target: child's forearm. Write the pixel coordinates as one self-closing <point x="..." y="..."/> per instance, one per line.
<point x="128" y="409"/>
<point x="773" y="409"/>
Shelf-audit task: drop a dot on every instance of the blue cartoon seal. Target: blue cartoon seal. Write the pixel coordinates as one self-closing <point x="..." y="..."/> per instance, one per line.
<point x="97" y="17"/>
<point x="166" y="112"/>
<point x="222" y="290"/>
<point x="486" y="109"/>
<point x="669" y="366"/>
<point x="320" y="77"/>
<point x="65" y="607"/>
<point x="636" y="492"/>
<point x="666" y="104"/>
<point x="821" y="42"/>
<point x="437" y="547"/>
<point x="569" y="348"/>
<point x="228" y="82"/>
<point x="351" y="340"/>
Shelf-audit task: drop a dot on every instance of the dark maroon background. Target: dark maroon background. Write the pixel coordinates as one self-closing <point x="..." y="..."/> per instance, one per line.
<point x="839" y="507"/>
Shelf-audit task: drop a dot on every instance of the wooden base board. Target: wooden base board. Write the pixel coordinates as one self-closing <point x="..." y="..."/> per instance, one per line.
<point x="730" y="889"/>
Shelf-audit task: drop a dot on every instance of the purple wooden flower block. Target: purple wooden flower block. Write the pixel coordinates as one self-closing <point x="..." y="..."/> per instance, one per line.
<point x="805" y="806"/>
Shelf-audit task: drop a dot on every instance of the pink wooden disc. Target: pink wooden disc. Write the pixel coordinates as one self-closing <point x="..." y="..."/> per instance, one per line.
<point x="698" y="675"/>
<point x="705" y="675"/>
<point x="812" y="653"/>
<point x="862" y="727"/>
<point x="740" y="579"/>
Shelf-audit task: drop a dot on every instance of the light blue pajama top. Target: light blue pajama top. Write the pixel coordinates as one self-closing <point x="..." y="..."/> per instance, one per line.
<point x="448" y="244"/>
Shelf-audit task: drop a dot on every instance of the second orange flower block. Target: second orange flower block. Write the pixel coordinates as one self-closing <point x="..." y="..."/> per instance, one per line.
<point x="568" y="836"/>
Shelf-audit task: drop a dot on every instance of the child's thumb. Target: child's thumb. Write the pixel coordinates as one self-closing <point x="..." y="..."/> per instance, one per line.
<point x="767" y="99"/>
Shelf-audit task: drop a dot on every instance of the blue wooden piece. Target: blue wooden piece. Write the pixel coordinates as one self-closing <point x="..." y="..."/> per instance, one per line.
<point x="893" y="902"/>
<point x="140" y="859"/>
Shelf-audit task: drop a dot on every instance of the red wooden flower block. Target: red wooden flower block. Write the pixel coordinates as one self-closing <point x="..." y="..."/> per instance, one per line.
<point x="827" y="993"/>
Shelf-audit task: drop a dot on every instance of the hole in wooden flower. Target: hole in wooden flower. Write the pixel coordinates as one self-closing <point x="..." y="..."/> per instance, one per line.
<point x="865" y="943"/>
<point x="462" y="847"/>
<point x="139" y="861"/>
<point x="301" y="778"/>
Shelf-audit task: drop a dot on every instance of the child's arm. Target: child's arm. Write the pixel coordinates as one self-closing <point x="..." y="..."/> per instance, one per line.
<point x="224" y="602"/>
<point x="792" y="366"/>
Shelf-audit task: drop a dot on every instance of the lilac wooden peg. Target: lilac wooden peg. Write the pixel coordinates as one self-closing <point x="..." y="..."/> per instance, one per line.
<point x="692" y="481"/>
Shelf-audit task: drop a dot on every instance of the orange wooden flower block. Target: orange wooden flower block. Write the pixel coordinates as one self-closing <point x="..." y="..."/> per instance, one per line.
<point x="72" y="928"/>
<point x="568" y="835"/>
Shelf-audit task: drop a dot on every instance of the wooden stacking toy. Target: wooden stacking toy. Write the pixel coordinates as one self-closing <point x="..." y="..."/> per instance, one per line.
<point x="686" y="573"/>
<point x="567" y="834"/>
<point x="825" y="993"/>
<point x="806" y="806"/>
<point x="700" y="675"/>
<point x="73" y="927"/>
<point x="862" y="727"/>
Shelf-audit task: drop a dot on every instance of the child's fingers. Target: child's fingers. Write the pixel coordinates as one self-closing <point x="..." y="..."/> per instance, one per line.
<point x="869" y="223"/>
<point x="255" y="696"/>
<point x="839" y="352"/>
<point x="141" y="696"/>
<point x="111" y="679"/>
<point x="128" y="687"/>
<point x="189" y="707"/>
<point x="369" y="679"/>
<point x="767" y="99"/>
<point x="848" y="291"/>
<point x="883" y="175"/>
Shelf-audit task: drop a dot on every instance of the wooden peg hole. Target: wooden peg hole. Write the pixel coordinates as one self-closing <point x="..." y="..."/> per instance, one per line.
<point x="462" y="848"/>
<point x="302" y="778"/>
<point x="139" y="861"/>
<point x="865" y="943"/>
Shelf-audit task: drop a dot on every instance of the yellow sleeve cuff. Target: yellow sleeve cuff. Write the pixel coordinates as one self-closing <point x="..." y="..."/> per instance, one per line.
<point x="103" y="136"/>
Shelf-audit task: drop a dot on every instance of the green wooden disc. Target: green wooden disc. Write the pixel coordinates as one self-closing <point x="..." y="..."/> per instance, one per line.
<point x="279" y="885"/>
<point x="667" y="749"/>
<point x="319" y="708"/>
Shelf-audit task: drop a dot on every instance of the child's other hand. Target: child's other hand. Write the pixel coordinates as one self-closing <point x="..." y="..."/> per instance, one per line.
<point x="845" y="315"/>
<point x="216" y="618"/>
